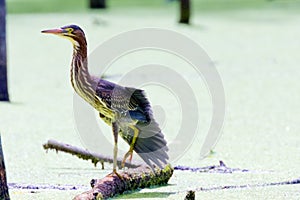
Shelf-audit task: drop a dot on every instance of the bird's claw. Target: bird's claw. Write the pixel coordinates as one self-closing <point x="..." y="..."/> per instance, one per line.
<point x="128" y="154"/>
<point x="116" y="173"/>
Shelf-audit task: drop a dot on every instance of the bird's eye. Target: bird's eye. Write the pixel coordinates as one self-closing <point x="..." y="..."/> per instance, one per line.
<point x="69" y="30"/>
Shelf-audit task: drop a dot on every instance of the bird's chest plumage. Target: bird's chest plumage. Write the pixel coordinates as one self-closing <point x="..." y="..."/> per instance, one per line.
<point x="87" y="89"/>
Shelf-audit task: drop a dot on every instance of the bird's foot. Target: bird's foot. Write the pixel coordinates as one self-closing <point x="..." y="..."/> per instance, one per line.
<point x="128" y="154"/>
<point x="114" y="172"/>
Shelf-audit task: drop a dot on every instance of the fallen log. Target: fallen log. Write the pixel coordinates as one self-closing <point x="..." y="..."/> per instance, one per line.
<point x="85" y="154"/>
<point x="131" y="179"/>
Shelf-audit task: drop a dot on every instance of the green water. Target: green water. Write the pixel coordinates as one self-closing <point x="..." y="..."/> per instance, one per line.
<point x="256" y="53"/>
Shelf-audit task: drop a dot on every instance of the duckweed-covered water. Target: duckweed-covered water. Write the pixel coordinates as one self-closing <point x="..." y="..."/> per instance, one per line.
<point x="256" y="53"/>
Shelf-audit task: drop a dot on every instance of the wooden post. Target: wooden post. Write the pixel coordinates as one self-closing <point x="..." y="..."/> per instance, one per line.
<point x="3" y="184"/>
<point x="185" y="11"/>
<point x="97" y="3"/>
<point x="3" y="68"/>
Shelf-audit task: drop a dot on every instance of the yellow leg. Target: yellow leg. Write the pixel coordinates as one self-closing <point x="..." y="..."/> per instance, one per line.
<point x="130" y="152"/>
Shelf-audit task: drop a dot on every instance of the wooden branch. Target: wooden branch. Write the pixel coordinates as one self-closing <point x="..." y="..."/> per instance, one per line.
<point x="132" y="179"/>
<point x="84" y="154"/>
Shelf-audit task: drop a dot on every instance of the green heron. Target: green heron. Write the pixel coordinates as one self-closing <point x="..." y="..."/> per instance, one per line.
<point x="127" y="110"/>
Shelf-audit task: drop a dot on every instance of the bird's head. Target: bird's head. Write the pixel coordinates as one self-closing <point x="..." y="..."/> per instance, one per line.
<point x="72" y="32"/>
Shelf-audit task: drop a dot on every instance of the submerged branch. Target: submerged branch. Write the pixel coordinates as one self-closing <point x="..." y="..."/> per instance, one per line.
<point x="292" y="182"/>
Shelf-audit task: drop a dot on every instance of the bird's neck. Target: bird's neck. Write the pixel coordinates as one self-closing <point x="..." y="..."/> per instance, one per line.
<point x="81" y="79"/>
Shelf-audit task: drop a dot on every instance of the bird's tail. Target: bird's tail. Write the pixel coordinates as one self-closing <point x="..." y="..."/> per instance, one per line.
<point x="150" y="144"/>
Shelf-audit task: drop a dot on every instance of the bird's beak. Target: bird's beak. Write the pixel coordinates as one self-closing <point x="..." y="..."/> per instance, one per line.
<point x="54" y="31"/>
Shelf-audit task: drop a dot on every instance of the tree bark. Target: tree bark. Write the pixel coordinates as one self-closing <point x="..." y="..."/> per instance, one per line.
<point x="185" y="11"/>
<point x="97" y="3"/>
<point x="3" y="63"/>
<point x="4" y="195"/>
<point x="131" y="179"/>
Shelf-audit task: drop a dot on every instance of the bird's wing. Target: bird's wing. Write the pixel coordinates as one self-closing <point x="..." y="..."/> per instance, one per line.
<point x="124" y="99"/>
<point x="150" y="145"/>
